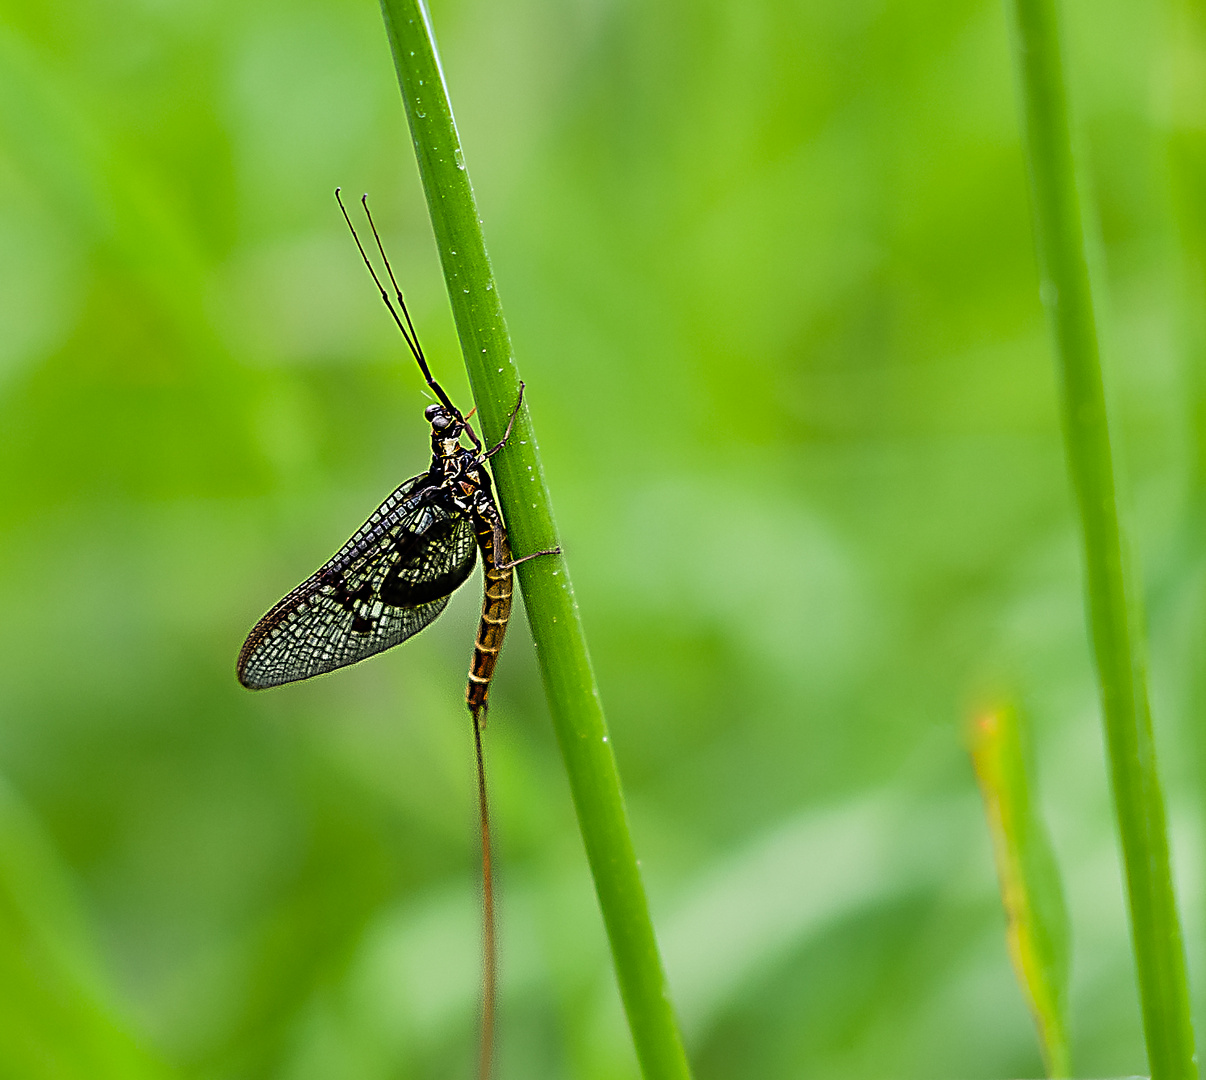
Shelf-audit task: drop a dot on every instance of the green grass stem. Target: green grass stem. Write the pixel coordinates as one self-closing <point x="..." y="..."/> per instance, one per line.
<point x="548" y="595"/>
<point x="1113" y="610"/>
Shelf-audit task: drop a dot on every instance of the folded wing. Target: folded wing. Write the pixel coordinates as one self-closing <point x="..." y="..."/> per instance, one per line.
<point x="390" y="580"/>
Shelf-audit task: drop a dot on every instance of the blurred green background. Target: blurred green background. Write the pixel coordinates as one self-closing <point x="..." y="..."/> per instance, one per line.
<point x="769" y="273"/>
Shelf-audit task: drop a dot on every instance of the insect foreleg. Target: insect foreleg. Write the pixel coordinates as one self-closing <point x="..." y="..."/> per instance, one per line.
<point x="477" y="443"/>
<point x="510" y="423"/>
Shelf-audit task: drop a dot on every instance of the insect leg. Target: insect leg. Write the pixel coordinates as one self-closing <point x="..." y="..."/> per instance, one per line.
<point x="502" y="560"/>
<point x="510" y="423"/>
<point x="477" y="443"/>
<point x="525" y="558"/>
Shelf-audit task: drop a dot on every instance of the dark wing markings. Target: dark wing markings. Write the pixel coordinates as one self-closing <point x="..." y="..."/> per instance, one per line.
<point x="385" y="584"/>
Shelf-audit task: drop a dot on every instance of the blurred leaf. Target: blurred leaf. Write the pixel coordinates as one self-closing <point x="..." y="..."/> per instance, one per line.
<point x="56" y="1021"/>
<point x="1030" y="884"/>
<point x="763" y="901"/>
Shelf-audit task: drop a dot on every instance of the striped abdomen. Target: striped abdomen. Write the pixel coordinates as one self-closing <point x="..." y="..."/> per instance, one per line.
<point x="496" y="612"/>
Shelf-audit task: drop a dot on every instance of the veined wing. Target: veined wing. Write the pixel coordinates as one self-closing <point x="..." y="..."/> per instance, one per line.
<point x="385" y="584"/>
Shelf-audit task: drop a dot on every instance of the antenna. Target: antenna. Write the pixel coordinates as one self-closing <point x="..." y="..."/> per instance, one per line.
<point x="408" y="329"/>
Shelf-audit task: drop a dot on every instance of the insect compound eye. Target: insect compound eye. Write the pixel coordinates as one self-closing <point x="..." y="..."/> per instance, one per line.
<point x="431" y="412"/>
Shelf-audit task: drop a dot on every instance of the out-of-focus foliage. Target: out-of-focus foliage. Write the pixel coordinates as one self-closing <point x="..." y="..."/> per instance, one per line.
<point x="769" y="273"/>
<point x="1031" y="892"/>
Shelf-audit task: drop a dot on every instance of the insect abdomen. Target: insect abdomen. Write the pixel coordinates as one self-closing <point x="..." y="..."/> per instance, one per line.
<point x="496" y="612"/>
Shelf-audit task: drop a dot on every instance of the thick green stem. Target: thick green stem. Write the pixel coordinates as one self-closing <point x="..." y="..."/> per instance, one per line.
<point x="552" y="611"/>
<point x="1113" y="609"/>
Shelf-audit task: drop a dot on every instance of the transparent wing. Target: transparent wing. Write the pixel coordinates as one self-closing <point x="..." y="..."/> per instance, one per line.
<point x="386" y="583"/>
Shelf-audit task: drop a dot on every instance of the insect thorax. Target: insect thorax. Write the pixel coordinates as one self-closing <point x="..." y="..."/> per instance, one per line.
<point x="457" y="471"/>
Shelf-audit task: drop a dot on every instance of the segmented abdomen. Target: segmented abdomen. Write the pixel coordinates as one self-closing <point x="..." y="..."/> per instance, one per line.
<point x="496" y="612"/>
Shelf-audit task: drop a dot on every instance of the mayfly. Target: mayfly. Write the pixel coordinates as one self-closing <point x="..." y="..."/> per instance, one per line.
<point x="396" y="574"/>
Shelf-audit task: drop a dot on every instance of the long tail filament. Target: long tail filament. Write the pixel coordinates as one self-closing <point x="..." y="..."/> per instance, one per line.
<point x="489" y="946"/>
